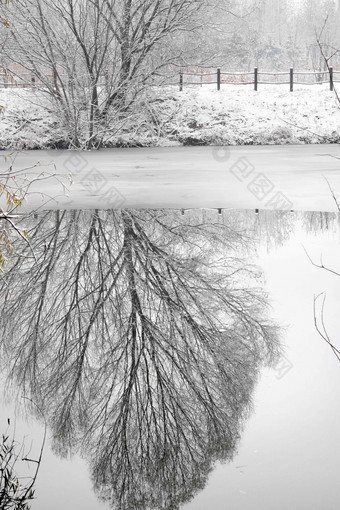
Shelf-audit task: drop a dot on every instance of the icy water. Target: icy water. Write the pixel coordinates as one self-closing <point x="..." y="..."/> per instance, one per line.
<point x="178" y="356"/>
<point x="239" y="177"/>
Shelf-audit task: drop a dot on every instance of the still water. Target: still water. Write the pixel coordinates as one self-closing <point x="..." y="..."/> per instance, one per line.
<point x="178" y="356"/>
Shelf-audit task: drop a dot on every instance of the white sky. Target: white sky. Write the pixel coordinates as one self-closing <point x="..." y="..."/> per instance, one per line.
<point x="291" y="445"/>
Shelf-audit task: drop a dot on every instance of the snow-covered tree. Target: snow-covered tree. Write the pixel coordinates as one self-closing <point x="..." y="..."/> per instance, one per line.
<point x="95" y="57"/>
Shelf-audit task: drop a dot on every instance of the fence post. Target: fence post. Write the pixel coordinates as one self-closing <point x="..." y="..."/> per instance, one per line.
<point x="291" y="76"/>
<point x="218" y="78"/>
<point x="181" y="80"/>
<point x="33" y="81"/>
<point x="255" y="78"/>
<point x="331" y="86"/>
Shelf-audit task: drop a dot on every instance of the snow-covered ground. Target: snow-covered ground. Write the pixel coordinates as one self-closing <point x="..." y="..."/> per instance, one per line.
<point x="196" y="116"/>
<point x="272" y="115"/>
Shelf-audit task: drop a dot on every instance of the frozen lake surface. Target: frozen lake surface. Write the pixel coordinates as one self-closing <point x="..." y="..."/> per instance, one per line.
<point x="265" y="177"/>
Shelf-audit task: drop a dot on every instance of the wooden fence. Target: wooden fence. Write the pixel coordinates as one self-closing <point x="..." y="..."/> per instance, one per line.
<point x="254" y="78"/>
<point x="202" y="77"/>
<point x="24" y="80"/>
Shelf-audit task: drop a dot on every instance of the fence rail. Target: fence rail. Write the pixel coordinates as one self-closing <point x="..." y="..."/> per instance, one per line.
<point x="217" y="78"/>
<point x="24" y="80"/>
<point x="10" y="79"/>
<point x="320" y="78"/>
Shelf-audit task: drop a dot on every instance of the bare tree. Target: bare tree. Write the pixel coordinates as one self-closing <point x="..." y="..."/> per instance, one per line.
<point x="140" y="334"/>
<point x="95" y="57"/>
<point x="319" y="310"/>
<point x="14" y="494"/>
<point x="319" y="221"/>
<point x="16" y="185"/>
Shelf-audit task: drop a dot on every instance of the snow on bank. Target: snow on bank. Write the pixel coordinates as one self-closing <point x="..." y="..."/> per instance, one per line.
<point x="239" y="115"/>
<point x="26" y="120"/>
<point x="235" y="115"/>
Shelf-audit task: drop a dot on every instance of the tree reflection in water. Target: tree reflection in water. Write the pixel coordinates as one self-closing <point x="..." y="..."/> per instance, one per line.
<point x="140" y="334"/>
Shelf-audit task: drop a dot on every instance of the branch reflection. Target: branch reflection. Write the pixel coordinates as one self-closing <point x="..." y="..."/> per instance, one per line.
<point x="140" y="334"/>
